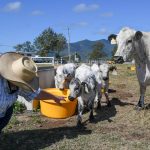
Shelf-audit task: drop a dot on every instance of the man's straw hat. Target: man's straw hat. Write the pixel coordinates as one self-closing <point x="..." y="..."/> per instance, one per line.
<point x="19" y="70"/>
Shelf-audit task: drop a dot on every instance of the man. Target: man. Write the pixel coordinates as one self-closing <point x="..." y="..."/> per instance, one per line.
<point x="18" y="76"/>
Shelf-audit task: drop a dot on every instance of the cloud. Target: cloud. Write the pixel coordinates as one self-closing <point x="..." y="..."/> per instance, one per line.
<point x="82" y="24"/>
<point x="102" y="31"/>
<point x="108" y="14"/>
<point x="85" y="8"/>
<point x="79" y="24"/>
<point x="37" y="13"/>
<point x="11" y="7"/>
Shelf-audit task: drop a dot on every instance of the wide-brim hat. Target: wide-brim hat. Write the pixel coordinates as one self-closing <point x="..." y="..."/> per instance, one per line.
<point x="20" y="70"/>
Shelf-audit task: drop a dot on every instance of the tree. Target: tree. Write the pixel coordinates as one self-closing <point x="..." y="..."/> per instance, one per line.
<point x="18" y="47"/>
<point x="25" y="47"/>
<point x="97" y="51"/>
<point x="48" y="41"/>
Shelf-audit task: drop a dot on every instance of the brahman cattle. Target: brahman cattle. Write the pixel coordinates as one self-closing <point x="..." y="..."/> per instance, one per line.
<point x="98" y="76"/>
<point x="135" y="45"/>
<point x="64" y="74"/>
<point x="101" y="73"/>
<point x="83" y="87"/>
<point x="104" y="70"/>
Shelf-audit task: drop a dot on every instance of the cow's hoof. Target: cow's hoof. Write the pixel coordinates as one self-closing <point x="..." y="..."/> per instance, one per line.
<point x="98" y="107"/>
<point x="79" y="124"/>
<point x="91" y="118"/>
<point x="138" y="108"/>
<point x="109" y="104"/>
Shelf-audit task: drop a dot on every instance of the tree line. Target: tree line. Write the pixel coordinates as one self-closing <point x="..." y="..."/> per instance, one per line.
<point x="46" y="42"/>
<point x="50" y="41"/>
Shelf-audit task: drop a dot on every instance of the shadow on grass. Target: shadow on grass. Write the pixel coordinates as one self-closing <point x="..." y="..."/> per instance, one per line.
<point x="116" y="101"/>
<point x="40" y="138"/>
<point x="106" y="113"/>
<point x="111" y="91"/>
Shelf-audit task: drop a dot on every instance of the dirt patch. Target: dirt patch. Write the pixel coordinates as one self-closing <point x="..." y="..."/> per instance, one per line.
<point x="121" y="86"/>
<point x="136" y="136"/>
<point x="124" y="95"/>
<point x="53" y="123"/>
<point x="23" y="118"/>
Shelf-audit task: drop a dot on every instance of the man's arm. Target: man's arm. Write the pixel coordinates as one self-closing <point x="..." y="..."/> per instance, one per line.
<point x="39" y="95"/>
<point x="43" y="95"/>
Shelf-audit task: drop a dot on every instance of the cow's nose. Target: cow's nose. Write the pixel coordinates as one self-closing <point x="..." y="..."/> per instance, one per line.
<point x="68" y="75"/>
<point x="71" y="98"/>
<point x="105" y="78"/>
<point x="61" y="88"/>
<point x="118" y="59"/>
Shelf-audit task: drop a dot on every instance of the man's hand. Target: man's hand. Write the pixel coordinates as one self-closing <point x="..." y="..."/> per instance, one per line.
<point x="59" y="98"/>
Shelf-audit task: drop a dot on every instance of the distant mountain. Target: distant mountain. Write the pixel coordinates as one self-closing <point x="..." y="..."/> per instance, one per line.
<point x="84" y="47"/>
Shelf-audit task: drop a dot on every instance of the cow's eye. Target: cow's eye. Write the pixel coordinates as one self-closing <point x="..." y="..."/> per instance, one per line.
<point x="77" y="88"/>
<point x="129" y="41"/>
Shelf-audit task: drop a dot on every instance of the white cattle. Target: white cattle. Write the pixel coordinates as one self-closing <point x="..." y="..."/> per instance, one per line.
<point x="135" y="44"/>
<point x="83" y="87"/>
<point x="96" y="70"/>
<point x="102" y="77"/>
<point x="64" y="74"/>
<point x="104" y="70"/>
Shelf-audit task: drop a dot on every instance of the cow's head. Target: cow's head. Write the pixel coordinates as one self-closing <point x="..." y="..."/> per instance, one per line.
<point x="125" y="41"/>
<point x="104" y="70"/>
<point x="68" y="75"/>
<point x="63" y="78"/>
<point x="60" y="78"/>
<point x="76" y="88"/>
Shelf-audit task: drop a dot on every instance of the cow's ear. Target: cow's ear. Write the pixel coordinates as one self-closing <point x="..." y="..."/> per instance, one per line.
<point x="112" y="38"/>
<point x="86" y="88"/>
<point x="138" y="35"/>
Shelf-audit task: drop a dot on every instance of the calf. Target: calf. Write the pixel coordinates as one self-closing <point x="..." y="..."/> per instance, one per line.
<point x="104" y="70"/>
<point x="83" y="87"/>
<point x="96" y="70"/>
<point x="102" y="77"/>
<point x="64" y="74"/>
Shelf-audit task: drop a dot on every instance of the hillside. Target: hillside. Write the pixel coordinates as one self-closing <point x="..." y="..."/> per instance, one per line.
<point x="84" y="47"/>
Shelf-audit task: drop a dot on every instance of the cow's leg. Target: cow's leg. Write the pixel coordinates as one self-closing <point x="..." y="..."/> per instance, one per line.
<point x="106" y="93"/>
<point x="56" y="82"/>
<point x="80" y="111"/>
<point x="107" y="98"/>
<point x="98" y="96"/>
<point x="142" y="94"/>
<point x="90" y="106"/>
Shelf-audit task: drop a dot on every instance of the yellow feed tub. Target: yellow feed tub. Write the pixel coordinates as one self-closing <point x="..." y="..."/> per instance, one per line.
<point x="52" y="109"/>
<point x="132" y="68"/>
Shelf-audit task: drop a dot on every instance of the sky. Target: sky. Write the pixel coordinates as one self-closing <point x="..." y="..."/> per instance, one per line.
<point x="24" y="20"/>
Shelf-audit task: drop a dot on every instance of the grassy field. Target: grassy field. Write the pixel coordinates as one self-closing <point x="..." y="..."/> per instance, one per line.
<point x="119" y="127"/>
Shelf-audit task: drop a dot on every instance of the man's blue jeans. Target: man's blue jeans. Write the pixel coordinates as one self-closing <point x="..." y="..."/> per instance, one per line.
<point x="4" y="120"/>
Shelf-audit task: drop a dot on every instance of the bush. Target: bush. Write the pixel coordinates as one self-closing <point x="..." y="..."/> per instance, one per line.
<point x="19" y="107"/>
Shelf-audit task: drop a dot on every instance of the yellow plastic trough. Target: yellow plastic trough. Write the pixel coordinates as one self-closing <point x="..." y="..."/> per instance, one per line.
<point x="132" y="68"/>
<point x="52" y="109"/>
